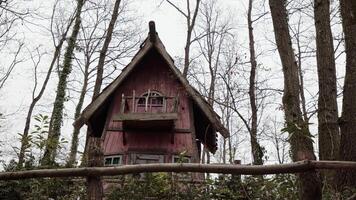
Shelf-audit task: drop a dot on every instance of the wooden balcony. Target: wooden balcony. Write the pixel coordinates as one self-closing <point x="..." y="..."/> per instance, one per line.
<point x="150" y="112"/>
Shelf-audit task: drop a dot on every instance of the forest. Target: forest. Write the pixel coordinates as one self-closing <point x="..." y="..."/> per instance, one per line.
<point x="281" y="74"/>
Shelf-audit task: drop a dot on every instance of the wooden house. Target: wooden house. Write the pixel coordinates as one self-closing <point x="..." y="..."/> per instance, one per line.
<point x="150" y="113"/>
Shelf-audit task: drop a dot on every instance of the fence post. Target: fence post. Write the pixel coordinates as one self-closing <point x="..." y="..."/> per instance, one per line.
<point x="95" y="159"/>
<point x="237" y="178"/>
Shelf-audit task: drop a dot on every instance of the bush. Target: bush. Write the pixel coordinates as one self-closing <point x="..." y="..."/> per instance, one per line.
<point x="166" y="186"/>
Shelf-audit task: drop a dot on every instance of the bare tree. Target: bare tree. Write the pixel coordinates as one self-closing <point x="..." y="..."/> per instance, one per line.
<point x="57" y="113"/>
<point x="124" y="42"/>
<point x="93" y="145"/>
<point x="226" y="101"/>
<point x="5" y="72"/>
<point x="10" y="17"/>
<point x="347" y="121"/>
<point x="328" y="128"/>
<point x="100" y="67"/>
<point x="190" y="17"/>
<point x="215" y="31"/>
<point x="36" y="97"/>
<point x="256" y="149"/>
<point x="300" y="137"/>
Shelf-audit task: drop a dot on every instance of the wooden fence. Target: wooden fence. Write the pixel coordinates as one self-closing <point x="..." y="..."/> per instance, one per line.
<point x="296" y="167"/>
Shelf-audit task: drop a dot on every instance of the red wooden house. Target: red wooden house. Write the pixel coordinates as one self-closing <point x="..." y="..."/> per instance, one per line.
<point x="150" y="113"/>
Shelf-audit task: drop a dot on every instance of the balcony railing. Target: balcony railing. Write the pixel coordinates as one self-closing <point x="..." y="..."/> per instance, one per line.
<point x="151" y="111"/>
<point x="149" y="103"/>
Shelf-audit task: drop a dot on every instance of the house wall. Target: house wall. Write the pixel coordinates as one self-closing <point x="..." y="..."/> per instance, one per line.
<point x="154" y="74"/>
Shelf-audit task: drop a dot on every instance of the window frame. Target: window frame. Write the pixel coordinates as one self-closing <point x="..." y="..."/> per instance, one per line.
<point x="160" y="158"/>
<point x="188" y="158"/>
<point x="112" y="157"/>
<point x="156" y="94"/>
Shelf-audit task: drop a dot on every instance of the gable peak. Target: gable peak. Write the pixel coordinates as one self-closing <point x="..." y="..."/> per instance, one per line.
<point x="152" y="31"/>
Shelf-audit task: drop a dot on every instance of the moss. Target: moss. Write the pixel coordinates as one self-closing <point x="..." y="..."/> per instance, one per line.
<point x="57" y="113"/>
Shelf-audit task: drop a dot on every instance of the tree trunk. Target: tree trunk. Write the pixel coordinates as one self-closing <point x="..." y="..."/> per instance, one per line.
<point x="93" y="145"/>
<point x="24" y="139"/>
<point x="328" y="128"/>
<point x="78" y="109"/>
<point x="104" y="50"/>
<point x="256" y="149"/>
<point x="190" y="27"/>
<point x="348" y="115"/>
<point x="301" y="76"/>
<point x="95" y="159"/>
<point x="300" y="138"/>
<point x="57" y="113"/>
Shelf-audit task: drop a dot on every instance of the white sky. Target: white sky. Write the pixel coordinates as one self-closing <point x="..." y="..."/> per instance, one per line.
<point x="170" y="26"/>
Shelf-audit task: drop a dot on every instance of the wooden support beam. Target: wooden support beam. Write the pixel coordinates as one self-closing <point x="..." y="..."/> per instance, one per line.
<point x="122" y="110"/>
<point x="297" y="167"/>
<point x="145" y="116"/>
<point x="133" y="101"/>
<point x="147" y="98"/>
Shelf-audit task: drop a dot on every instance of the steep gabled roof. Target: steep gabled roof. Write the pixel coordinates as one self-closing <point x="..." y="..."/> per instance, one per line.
<point x="151" y="42"/>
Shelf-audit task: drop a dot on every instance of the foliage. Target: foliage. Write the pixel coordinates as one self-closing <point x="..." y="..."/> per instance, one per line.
<point x="36" y="140"/>
<point x="40" y="188"/>
<point x="56" y="188"/>
<point x="166" y="186"/>
<point x="163" y="186"/>
<point x="298" y="130"/>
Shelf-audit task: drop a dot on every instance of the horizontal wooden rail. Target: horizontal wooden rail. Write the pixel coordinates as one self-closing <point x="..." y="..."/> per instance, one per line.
<point x="297" y="167"/>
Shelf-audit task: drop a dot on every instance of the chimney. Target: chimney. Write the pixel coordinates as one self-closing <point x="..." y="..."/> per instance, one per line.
<point x="152" y="33"/>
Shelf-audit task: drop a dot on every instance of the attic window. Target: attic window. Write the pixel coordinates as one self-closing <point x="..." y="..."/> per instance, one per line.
<point x="152" y="98"/>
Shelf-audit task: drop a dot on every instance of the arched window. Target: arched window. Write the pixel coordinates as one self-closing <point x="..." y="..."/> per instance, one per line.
<point x="153" y="98"/>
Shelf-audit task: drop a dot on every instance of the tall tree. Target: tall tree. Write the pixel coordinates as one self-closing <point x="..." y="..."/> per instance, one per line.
<point x="256" y="148"/>
<point x="215" y="32"/>
<point x="328" y="127"/>
<point x="300" y="137"/>
<point x="190" y="18"/>
<point x="125" y="40"/>
<point x="93" y="145"/>
<point x="57" y="112"/>
<point x="36" y="97"/>
<point x="348" y="115"/>
<point x="100" y="66"/>
<point x="11" y="16"/>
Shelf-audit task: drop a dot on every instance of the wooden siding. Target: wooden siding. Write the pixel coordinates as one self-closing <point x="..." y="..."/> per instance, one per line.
<point x="154" y="74"/>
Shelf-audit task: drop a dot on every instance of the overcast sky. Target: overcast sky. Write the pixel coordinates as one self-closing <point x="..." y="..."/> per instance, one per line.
<point x="171" y="27"/>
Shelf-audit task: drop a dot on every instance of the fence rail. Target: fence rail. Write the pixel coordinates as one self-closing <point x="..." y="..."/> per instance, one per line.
<point x="296" y="167"/>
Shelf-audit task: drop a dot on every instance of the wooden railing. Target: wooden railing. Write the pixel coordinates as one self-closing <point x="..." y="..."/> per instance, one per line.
<point x="296" y="167"/>
<point x="130" y="104"/>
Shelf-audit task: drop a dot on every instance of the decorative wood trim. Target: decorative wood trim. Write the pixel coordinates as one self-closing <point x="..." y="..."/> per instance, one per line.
<point x="176" y="131"/>
<point x="147" y="151"/>
<point x="196" y="154"/>
<point x="145" y="116"/>
<point x="133" y="101"/>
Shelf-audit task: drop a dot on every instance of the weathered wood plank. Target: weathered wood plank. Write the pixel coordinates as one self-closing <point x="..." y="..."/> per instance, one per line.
<point x="297" y="167"/>
<point x="145" y="116"/>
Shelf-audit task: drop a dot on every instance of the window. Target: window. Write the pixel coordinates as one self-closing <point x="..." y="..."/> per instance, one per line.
<point x="180" y="159"/>
<point x="181" y="176"/>
<point x="146" y="158"/>
<point x="113" y="160"/>
<point x="154" y="99"/>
